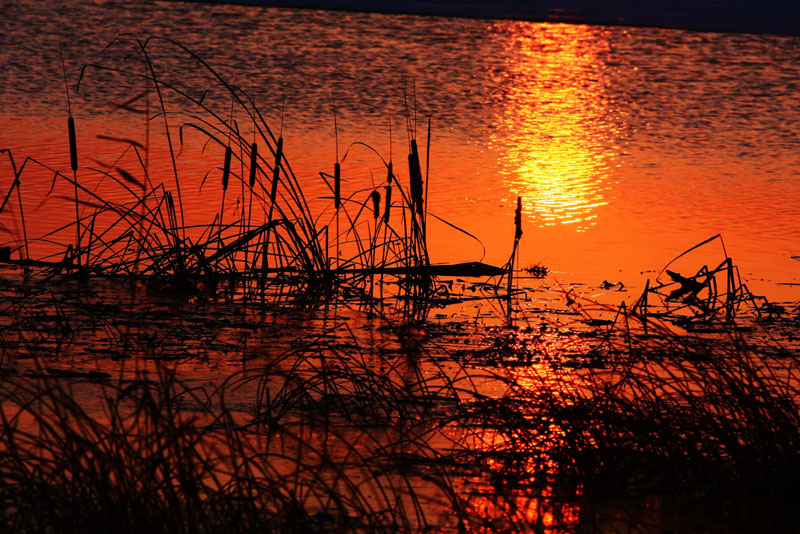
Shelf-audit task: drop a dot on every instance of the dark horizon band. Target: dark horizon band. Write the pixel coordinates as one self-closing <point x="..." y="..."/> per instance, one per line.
<point x="780" y="17"/>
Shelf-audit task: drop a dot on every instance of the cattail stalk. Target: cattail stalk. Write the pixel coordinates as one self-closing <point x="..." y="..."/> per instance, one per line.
<point x="73" y="160"/>
<point x="375" y="196"/>
<point x="252" y="183"/>
<point x="517" y="236"/>
<point x="417" y="204"/>
<point x="337" y="202"/>
<point x="337" y="172"/>
<point x="273" y="197"/>
<point x="226" y="173"/>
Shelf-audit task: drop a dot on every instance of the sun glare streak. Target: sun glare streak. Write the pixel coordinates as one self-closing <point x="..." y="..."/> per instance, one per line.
<point x="551" y="126"/>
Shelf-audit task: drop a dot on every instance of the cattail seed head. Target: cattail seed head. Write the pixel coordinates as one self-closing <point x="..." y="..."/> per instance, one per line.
<point x="253" y="164"/>
<point x="73" y="146"/>
<point x="376" y="204"/>
<point x="518" y="220"/>
<point x="276" y="170"/>
<point x="279" y="152"/>
<point x="415" y="176"/>
<point x="337" y="186"/>
<point x="170" y="205"/>
<point x="388" y="204"/>
<point x="226" y="169"/>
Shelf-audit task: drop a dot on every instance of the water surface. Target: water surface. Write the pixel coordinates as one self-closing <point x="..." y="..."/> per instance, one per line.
<point x="627" y="145"/>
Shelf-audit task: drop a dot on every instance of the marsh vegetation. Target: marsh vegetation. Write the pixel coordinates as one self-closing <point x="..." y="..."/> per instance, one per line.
<point x="282" y="369"/>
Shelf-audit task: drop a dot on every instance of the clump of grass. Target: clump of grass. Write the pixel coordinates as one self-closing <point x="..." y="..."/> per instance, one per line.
<point x="278" y="236"/>
<point x="352" y="436"/>
<point x="710" y="295"/>
<point x="537" y="271"/>
<point x="158" y="455"/>
<point x="404" y="433"/>
<point x="647" y="411"/>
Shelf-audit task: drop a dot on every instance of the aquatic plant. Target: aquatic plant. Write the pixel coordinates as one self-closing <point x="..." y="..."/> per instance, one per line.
<point x="408" y="431"/>
<point x="277" y="235"/>
<point x="544" y="425"/>
<point x="323" y="450"/>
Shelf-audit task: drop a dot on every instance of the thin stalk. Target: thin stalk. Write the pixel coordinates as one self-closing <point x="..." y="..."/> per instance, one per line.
<point x="517" y="236"/>
<point x="73" y="160"/>
<point x="276" y="174"/>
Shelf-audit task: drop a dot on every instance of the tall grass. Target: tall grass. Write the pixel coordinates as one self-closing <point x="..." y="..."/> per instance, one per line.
<point x="342" y="431"/>
<point x="323" y="449"/>
<point x="335" y="433"/>
<point x="277" y="235"/>
<point x="536" y="428"/>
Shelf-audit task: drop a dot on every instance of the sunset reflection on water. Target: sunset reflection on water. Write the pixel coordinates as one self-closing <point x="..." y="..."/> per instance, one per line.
<point x="553" y="100"/>
<point x="627" y="145"/>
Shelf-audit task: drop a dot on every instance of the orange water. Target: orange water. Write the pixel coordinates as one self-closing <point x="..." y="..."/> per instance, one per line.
<point x="626" y="145"/>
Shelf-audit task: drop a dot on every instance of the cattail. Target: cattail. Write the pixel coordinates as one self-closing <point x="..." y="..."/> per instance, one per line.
<point x="73" y="161"/>
<point x="376" y="204"/>
<point x="517" y="235"/>
<point x="388" y="204"/>
<point x="253" y="164"/>
<point x="337" y="185"/>
<point x="276" y="170"/>
<point x="170" y="209"/>
<point x="415" y="175"/>
<point x="226" y="170"/>
<point x="389" y="174"/>
<point x="73" y="146"/>
<point x="278" y="156"/>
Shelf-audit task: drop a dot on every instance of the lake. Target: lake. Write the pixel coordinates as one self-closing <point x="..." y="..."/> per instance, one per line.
<point x="348" y="397"/>
<point x="626" y="145"/>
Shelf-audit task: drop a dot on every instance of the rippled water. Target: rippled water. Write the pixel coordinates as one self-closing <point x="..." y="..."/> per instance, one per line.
<point x="626" y="145"/>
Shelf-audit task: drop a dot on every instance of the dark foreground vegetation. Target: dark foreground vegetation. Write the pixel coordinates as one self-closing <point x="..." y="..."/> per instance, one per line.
<point x="272" y="373"/>
<point x="539" y="425"/>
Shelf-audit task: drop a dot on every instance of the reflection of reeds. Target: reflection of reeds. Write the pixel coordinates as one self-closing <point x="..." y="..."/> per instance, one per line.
<point x="548" y="423"/>
<point x="713" y="422"/>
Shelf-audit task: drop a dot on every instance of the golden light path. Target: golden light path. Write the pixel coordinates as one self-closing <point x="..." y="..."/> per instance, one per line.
<point x="552" y="122"/>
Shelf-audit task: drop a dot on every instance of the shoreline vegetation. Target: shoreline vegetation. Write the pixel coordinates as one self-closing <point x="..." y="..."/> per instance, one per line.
<point x="373" y="231"/>
<point x="279" y="370"/>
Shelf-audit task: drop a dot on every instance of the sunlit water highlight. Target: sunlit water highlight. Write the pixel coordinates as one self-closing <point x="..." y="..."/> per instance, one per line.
<point x="549" y="114"/>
